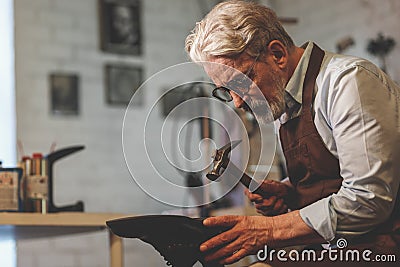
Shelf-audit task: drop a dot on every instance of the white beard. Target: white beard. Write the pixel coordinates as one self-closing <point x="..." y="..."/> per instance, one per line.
<point x="268" y="112"/>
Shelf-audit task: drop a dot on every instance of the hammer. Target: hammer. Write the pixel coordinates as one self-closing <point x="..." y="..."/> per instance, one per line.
<point x="221" y="161"/>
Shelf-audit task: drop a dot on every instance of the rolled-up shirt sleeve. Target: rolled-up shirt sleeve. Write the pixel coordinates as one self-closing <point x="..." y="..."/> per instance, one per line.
<point x="362" y="114"/>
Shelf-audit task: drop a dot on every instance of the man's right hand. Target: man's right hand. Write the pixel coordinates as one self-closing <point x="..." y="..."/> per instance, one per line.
<point x="274" y="199"/>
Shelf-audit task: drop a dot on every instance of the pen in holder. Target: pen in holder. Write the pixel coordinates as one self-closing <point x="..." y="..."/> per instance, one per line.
<point x="36" y="184"/>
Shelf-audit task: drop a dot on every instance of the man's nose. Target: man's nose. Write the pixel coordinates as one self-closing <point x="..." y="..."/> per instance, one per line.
<point x="238" y="101"/>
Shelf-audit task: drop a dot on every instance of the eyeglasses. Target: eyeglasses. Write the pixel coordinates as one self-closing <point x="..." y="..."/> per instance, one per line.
<point x="239" y="86"/>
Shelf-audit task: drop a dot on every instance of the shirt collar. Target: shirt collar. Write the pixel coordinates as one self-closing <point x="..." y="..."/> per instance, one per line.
<point x="294" y="88"/>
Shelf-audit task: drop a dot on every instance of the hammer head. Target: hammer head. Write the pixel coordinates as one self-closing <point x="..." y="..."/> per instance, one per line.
<point x="221" y="160"/>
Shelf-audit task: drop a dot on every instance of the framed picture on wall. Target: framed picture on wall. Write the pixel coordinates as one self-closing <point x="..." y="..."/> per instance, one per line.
<point x="122" y="82"/>
<point x="64" y="94"/>
<point x="120" y="27"/>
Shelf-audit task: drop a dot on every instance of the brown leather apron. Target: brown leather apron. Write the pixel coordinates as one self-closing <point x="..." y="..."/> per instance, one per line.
<point x="315" y="172"/>
<point x="312" y="169"/>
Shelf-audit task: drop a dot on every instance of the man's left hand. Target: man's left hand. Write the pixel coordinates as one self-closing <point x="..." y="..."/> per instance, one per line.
<point x="248" y="235"/>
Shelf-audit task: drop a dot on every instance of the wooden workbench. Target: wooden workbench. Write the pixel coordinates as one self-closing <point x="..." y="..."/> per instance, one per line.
<point x="19" y="226"/>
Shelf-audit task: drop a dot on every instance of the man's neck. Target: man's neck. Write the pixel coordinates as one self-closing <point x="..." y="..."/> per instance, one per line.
<point x="295" y="55"/>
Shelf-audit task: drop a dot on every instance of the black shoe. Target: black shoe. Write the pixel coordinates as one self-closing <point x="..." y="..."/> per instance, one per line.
<point x="176" y="238"/>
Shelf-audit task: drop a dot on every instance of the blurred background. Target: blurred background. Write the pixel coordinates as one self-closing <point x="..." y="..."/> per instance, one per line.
<point x="69" y="66"/>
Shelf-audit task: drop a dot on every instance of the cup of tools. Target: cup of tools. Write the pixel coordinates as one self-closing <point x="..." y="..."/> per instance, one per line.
<point x="35" y="184"/>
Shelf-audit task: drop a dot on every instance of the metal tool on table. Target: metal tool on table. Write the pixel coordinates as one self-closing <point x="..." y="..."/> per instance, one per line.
<point x="51" y="159"/>
<point x="221" y="161"/>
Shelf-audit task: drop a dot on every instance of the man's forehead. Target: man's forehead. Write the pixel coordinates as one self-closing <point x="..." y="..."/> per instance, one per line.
<point x="221" y="69"/>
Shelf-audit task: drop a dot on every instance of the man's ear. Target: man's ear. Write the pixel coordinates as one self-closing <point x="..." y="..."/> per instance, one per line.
<point x="279" y="53"/>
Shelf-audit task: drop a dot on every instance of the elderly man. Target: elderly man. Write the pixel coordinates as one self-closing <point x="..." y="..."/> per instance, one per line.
<point x="339" y="130"/>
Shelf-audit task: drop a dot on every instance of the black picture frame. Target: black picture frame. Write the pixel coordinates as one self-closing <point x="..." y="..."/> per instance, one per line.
<point x="120" y="26"/>
<point x="64" y="93"/>
<point x="172" y="97"/>
<point x="122" y="82"/>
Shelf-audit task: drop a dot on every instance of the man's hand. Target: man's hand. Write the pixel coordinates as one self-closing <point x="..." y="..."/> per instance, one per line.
<point x="248" y="235"/>
<point x="269" y="206"/>
<point x="274" y="200"/>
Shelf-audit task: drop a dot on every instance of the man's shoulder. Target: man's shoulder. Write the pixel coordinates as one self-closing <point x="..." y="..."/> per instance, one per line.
<point x="335" y="75"/>
<point x="337" y="64"/>
<point x="337" y="70"/>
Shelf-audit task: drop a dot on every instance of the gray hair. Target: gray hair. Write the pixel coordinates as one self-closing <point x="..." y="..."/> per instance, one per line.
<point x="232" y="27"/>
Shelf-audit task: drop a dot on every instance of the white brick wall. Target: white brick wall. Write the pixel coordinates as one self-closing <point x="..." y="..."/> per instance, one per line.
<point x="62" y="35"/>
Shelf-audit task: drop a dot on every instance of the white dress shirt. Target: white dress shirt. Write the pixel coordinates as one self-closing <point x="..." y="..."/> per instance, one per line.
<point x="356" y="113"/>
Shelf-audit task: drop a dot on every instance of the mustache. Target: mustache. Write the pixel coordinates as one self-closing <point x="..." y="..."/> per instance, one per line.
<point x="265" y="112"/>
<point x="254" y="105"/>
<point x="246" y="107"/>
<point x="254" y="108"/>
